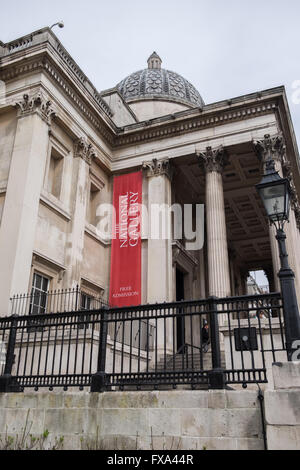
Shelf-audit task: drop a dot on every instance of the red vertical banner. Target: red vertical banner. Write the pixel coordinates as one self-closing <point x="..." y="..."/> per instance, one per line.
<point x="125" y="265"/>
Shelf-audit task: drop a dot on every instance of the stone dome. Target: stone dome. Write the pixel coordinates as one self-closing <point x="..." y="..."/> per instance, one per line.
<point x="157" y="83"/>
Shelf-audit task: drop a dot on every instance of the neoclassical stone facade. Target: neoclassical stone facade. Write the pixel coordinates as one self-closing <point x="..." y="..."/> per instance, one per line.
<point x="62" y="142"/>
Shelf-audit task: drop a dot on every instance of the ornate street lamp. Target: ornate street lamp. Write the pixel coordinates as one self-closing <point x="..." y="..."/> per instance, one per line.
<point x="60" y="24"/>
<point x="275" y="194"/>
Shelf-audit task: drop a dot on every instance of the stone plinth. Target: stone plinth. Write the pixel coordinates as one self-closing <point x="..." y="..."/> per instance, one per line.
<point x="282" y="408"/>
<point x="186" y="420"/>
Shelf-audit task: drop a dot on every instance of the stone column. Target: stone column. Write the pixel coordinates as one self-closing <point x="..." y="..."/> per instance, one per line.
<point x="275" y="257"/>
<point x="159" y="279"/>
<point x="271" y="147"/>
<point x="217" y="250"/>
<point x="159" y="263"/>
<point x="20" y="213"/>
<point x="274" y="147"/>
<point x="244" y="273"/>
<point x="83" y="154"/>
<point x="293" y="227"/>
<point x="269" y="272"/>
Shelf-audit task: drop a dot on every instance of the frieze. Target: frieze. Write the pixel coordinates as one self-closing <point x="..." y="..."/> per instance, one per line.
<point x="192" y="124"/>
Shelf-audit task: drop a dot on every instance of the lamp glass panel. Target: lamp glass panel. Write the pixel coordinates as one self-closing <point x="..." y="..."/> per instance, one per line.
<point x="274" y="199"/>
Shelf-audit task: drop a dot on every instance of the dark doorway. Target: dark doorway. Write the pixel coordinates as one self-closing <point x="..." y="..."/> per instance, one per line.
<point x="180" y="320"/>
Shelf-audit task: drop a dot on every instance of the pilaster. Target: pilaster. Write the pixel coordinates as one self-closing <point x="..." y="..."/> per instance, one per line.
<point x="83" y="154"/>
<point x="20" y="212"/>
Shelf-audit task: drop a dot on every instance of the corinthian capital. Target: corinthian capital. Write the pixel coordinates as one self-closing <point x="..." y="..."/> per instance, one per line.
<point x="158" y="167"/>
<point x="270" y="148"/>
<point x="84" y="150"/>
<point x="273" y="149"/>
<point x="213" y="159"/>
<point x="36" y="103"/>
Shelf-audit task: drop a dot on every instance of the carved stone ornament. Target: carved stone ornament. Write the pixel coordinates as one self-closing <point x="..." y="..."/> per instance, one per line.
<point x="213" y="159"/>
<point x="36" y="103"/>
<point x="270" y="148"/>
<point x="158" y="167"/>
<point x="84" y="150"/>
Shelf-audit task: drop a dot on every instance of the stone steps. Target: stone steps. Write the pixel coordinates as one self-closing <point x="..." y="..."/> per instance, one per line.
<point x="181" y="364"/>
<point x="187" y="363"/>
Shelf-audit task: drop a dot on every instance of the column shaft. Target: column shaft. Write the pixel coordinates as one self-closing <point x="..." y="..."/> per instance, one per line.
<point x="217" y="249"/>
<point x="159" y="279"/>
<point x="21" y="205"/>
<point x="273" y="147"/>
<point x="159" y="262"/>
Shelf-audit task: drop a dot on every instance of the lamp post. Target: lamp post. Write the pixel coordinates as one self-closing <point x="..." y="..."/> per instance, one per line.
<point x="274" y="192"/>
<point x="60" y="24"/>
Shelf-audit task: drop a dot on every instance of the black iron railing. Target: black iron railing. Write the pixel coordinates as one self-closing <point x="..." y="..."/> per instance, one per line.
<point x="152" y="346"/>
<point x="54" y="301"/>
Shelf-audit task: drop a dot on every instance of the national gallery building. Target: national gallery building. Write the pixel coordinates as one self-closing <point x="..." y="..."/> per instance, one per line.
<point x="90" y="299"/>
<point x="62" y="143"/>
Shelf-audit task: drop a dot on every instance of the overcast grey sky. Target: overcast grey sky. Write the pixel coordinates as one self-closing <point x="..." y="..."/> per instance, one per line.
<point x="225" y="48"/>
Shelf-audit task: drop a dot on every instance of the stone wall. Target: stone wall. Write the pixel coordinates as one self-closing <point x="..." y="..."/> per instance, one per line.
<point x="282" y="407"/>
<point x="138" y="420"/>
<point x="157" y="420"/>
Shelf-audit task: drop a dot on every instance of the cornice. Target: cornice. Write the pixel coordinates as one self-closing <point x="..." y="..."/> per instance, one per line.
<point x="197" y="120"/>
<point x="45" y="38"/>
<point x="80" y="104"/>
<point x="42" y="62"/>
<point x="159" y="128"/>
<point x="42" y="50"/>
